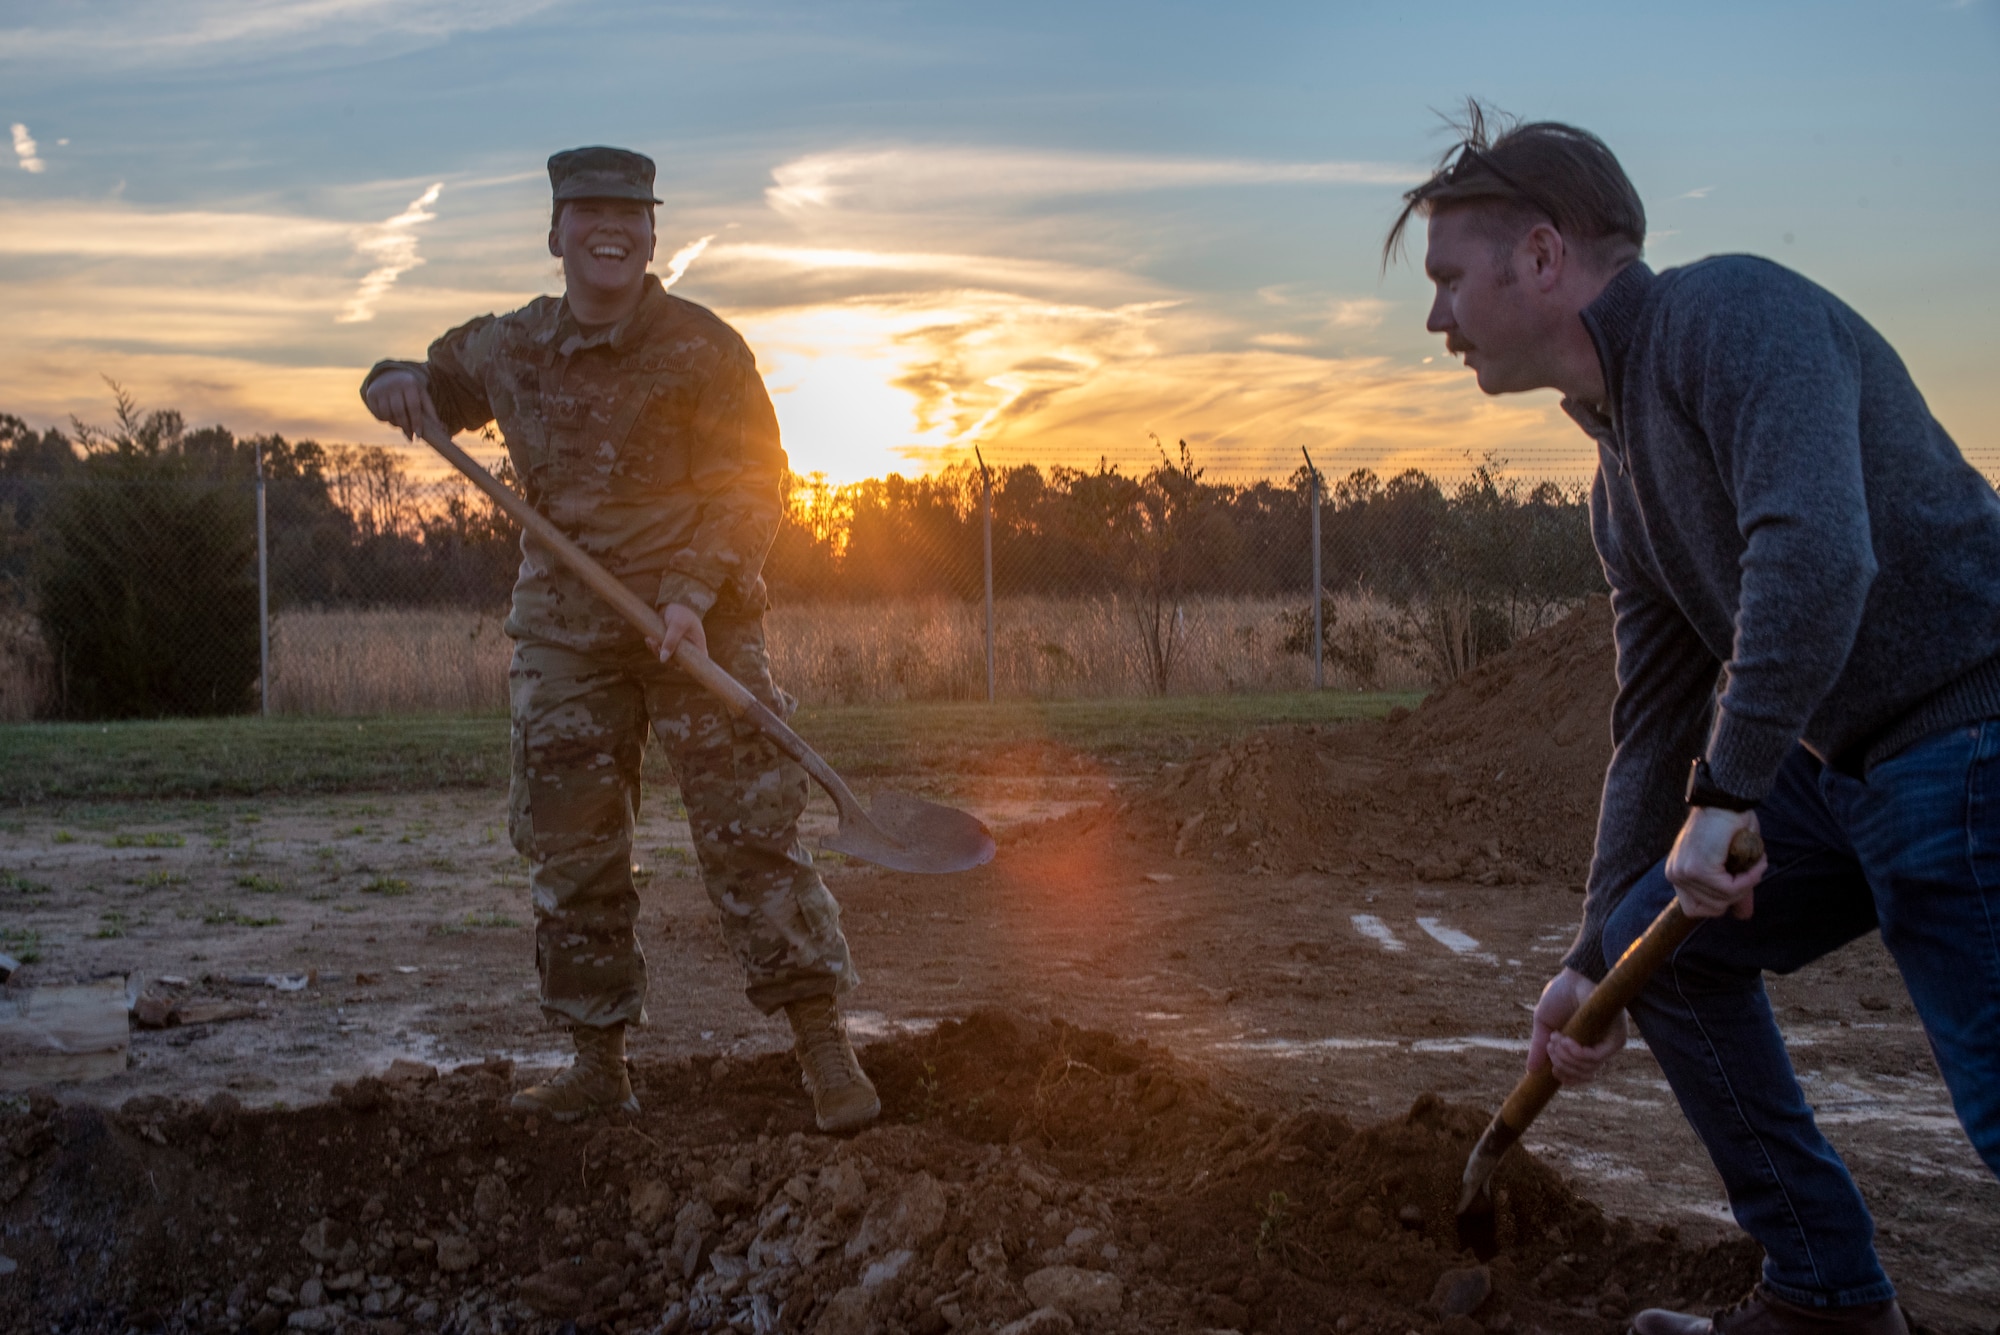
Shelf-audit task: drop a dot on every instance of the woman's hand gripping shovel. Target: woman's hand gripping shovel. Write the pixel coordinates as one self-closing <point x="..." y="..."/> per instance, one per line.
<point x="902" y="833"/>
<point x="1477" y="1227"/>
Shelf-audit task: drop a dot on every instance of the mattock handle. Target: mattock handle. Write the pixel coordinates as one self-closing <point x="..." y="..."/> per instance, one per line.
<point x="1628" y="977"/>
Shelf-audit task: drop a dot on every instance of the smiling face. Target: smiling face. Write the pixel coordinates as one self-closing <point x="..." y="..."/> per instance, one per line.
<point x="605" y="246"/>
<point x="1491" y="306"/>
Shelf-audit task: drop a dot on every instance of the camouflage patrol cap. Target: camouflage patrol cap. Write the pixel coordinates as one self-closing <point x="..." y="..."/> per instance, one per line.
<point x="601" y="173"/>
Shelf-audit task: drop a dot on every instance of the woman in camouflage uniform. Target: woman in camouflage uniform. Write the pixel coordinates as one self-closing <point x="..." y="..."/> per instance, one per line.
<point x="637" y="422"/>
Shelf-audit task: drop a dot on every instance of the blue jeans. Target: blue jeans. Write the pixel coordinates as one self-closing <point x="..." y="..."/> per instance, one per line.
<point x="1913" y="850"/>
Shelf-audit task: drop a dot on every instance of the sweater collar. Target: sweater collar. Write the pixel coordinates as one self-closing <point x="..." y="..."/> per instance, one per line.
<point x="1613" y="322"/>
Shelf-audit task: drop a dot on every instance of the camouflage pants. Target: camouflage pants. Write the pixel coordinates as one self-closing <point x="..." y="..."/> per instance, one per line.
<point x="579" y="730"/>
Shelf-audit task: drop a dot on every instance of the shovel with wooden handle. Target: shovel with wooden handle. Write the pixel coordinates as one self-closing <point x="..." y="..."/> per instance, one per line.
<point x="902" y="833"/>
<point x="1477" y="1228"/>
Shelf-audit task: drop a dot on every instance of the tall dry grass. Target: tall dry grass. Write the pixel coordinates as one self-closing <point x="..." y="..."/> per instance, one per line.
<point x="388" y="661"/>
<point x="27" y="677"/>
<point x="1044" y="648"/>
<point x="441" y="660"/>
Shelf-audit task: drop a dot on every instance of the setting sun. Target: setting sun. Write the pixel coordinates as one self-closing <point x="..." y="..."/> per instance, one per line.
<point x="836" y="377"/>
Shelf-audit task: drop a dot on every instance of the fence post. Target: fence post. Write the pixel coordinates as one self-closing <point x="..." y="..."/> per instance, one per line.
<point x="986" y="523"/>
<point x="1319" y="629"/>
<point x="263" y="596"/>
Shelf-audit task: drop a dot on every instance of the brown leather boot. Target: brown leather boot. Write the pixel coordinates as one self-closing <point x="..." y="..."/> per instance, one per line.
<point x="1762" y="1312"/>
<point x="596" y="1081"/>
<point x="842" y="1096"/>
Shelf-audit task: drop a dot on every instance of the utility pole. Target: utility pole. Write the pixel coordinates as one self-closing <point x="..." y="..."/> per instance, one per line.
<point x="986" y="522"/>
<point x="263" y="595"/>
<point x="1319" y="628"/>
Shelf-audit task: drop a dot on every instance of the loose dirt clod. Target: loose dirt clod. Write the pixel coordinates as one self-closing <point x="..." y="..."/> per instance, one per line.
<point x="1023" y="1168"/>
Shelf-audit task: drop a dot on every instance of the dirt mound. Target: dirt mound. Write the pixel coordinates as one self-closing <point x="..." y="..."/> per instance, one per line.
<point x="1493" y="780"/>
<point x="1019" y="1166"/>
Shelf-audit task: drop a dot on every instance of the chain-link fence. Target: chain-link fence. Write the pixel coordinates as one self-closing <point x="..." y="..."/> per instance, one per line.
<point x="1033" y="580"/>
<point x="190" y="573"/>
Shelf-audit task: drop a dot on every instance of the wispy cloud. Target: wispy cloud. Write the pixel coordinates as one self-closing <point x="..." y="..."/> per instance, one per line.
<point x="1358" y="313"/>
<point x="119" y="231"/>
<point x="891" y="178"/>
<point x="25" y="150"/>
<point x="913" y="383"/>
<point x="1699" y="192"/>
<point x="393" y="247"/>
<point x="889" y="339"/>
<point x="682" y="258"/>
<point x="130" y="33"/>
<point x="763" y="274"/>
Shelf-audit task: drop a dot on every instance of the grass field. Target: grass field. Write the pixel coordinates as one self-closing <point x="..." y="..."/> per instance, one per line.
<point x="196" y="758"/>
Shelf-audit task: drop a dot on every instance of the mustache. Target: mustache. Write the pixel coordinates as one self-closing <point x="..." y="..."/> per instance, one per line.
<point x="1456" y="345"/>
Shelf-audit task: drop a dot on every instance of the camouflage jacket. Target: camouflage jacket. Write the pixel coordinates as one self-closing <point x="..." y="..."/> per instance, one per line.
<point x="652" y="444"/>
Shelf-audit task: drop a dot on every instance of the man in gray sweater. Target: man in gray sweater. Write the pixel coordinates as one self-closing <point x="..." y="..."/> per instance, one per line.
<point x="1805" y="577"/>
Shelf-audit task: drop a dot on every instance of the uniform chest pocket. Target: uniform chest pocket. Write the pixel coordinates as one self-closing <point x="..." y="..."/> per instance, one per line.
<point x="659" y="445"/>
<point x="563" y="423"/>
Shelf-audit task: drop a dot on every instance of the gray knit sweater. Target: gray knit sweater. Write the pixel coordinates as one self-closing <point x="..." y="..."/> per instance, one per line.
<point x="1779" y="516"/>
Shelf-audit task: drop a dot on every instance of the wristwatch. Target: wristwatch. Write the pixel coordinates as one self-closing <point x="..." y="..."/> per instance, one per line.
<point x="1704" y="791"/>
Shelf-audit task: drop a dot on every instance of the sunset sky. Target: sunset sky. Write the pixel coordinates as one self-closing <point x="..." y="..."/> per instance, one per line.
<point x="1048" y="230"/>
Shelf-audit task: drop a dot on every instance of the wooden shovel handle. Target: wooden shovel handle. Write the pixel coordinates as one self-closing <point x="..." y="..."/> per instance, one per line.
<point x="735" y="696"/>
<point x="1628" y="977"/>
<point x="643" y="616"/>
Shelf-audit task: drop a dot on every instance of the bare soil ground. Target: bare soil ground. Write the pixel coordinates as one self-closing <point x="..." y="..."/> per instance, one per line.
<point x="1205" y="1049"/>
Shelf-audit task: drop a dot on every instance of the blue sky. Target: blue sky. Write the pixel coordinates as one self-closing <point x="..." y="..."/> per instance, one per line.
<point x="1051" y="231"/>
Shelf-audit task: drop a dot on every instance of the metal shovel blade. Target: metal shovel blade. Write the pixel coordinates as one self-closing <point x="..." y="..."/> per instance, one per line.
<point x="905" y="833"/>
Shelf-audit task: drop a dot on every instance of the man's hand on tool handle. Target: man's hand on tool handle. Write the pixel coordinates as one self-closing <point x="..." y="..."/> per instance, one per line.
<point x="683" y="624"/>
<point x="1704" y="886"/>
<point x="401" y="399"/>
<point x="1574" y="1064"/>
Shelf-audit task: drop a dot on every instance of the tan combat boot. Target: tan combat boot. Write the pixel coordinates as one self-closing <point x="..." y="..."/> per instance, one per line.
<point x="842" y="1096"/>
<point x="595" y="1082"/>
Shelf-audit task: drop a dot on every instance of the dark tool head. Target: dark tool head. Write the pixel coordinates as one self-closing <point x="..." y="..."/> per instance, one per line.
<point x="1478" y="1226"/>
<point x="905" y="833"/>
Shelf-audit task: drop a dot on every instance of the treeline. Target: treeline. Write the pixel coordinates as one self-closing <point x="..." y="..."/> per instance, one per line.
<point x="346" y="525"/>
<point x="1468" y="564"/>
<point x="1071" y="532"/>
<point x="133" y="548"/>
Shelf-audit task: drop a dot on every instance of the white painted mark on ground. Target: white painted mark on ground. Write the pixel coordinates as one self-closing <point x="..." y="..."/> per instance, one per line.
<point x="874" y="1024"/>
<point x="535" y="1059"/>
<point x="1457" y="942"/>
<point x="1603" y="1095"/>
<point x="1377" y="931"/>
<point x="1450" y="938"/>
<point x="1468" y="1044"/>
<point x="1298" y="1047"/>
<point x="1609" y="1167"/>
